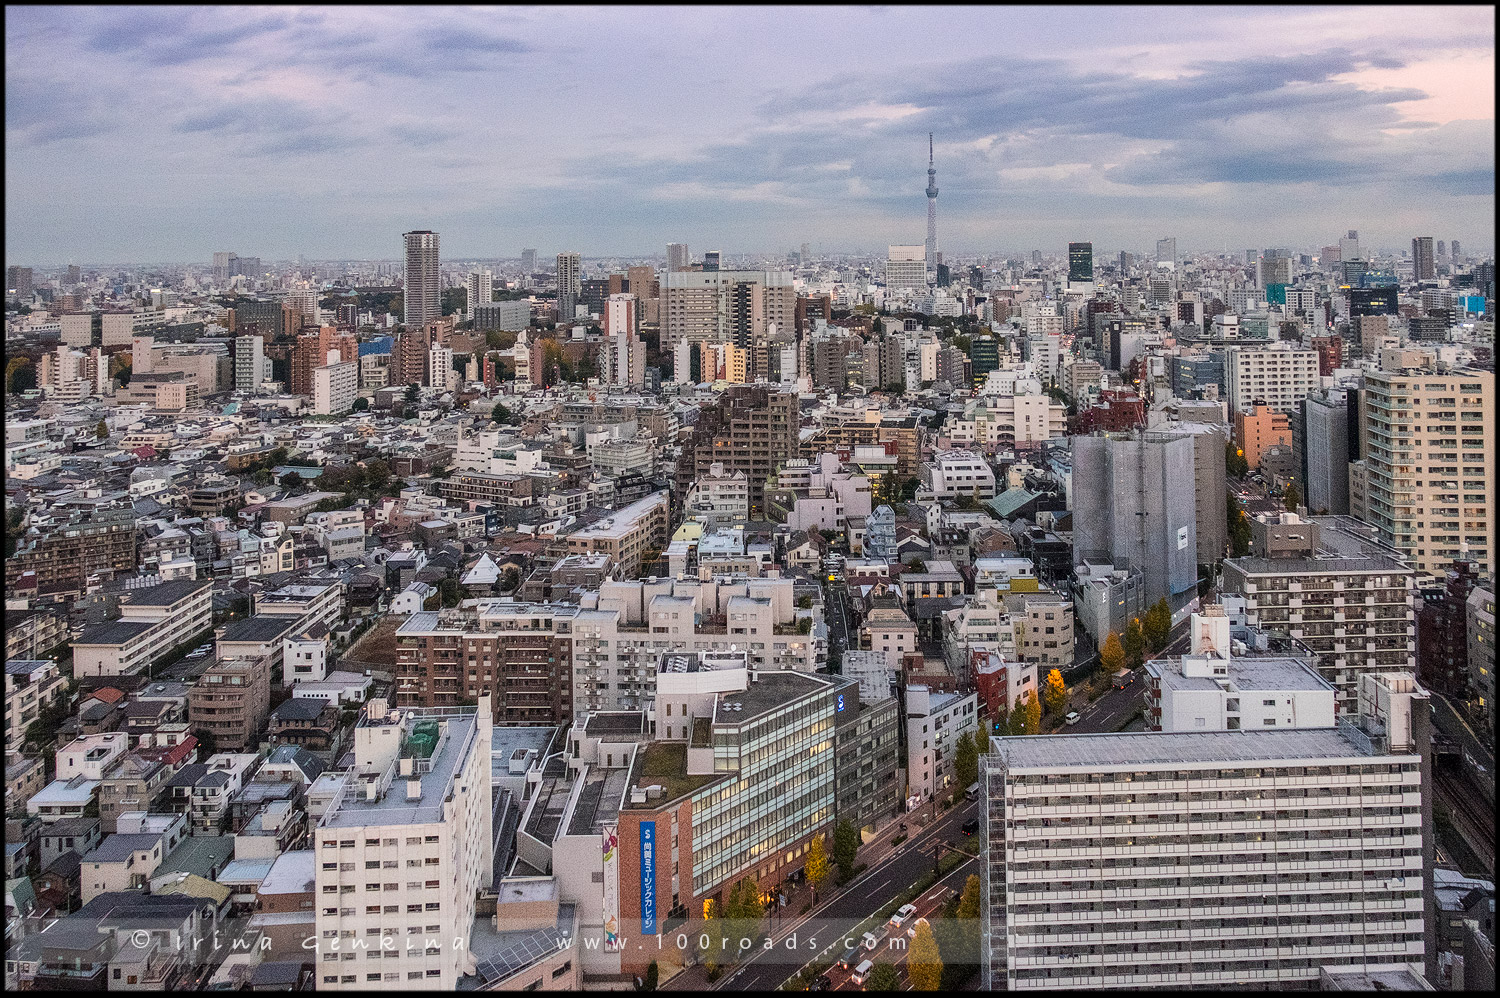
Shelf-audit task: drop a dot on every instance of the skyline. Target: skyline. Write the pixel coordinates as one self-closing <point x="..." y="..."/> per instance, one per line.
<point x="319" y="133"/>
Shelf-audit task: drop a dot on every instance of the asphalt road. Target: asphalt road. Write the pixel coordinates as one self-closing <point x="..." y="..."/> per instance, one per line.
<point x="875" y="888"/>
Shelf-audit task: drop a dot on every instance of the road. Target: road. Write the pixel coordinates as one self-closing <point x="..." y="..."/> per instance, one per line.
<point x="1451" y="723"/>
<point x="1114" y="707"/>
<point x="838" y="613"/>
<point x="830" y="923"/>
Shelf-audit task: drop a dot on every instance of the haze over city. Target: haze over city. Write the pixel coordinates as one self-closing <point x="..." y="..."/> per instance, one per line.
<point x="615" y="130"/>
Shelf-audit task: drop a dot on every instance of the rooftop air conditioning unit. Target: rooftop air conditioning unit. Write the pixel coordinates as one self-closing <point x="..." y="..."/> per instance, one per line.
<point x="413" y="789"/>
<point x="655" y="790"/>
<point x="638" y="795"/>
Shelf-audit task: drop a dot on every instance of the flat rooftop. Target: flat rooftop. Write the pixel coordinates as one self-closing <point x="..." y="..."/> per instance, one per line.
<point x="393" y="808"/>
<point x="665" y="763"/>
<point x="599" y="801"/>
<point x="618" y="725"/>
<point x="514" y="743"/>
<point x="259" y="629"/>
<point x="1265" y="672"/>
<point x="766" y="692"/>
<point x="1190" y="749"/>
<point x="166" y="593"/>
<point x="114" y="632"/>
<point x="499" y="955"/>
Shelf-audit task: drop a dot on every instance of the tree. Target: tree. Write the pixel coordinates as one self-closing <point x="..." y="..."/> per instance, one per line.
<point x="361" y="404"/>
<point x="1112" y="655"/>
<point x="102" y="430"/>
<point x="1291" y="498"/>
<point x="884" y="977"/>
<point x="845" y="847"/>
<point x="816" y="867"/>
<point x="1239" y="528"/>
<point x="290" y="480"/>
<point x="965" y="761"/>
<point x="916" y="565"/>
<point x="708" y="938"/>
<point x="1017" y="724"/>
<point x="412" y="393"/>
<point x="968" y="902"/>
<point x="1055" y="691"/>
<point x="500" y="414"/>
<point x="377" y="474"/>
<point x="1234" y="461"/>
<point x="924" y="966"/>
<point x="1032" y="708"/>
<point x="1135" y="642"/>
<point x="653" y="974"/>
<point x="982" y="739"/>
<point x="805" y="601"/>
<point x="20" y="376"/>
<point x="1158" y="624"/>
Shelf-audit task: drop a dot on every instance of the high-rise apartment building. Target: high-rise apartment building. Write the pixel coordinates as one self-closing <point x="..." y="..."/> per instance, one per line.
<point x="19" y="280"/>
<point x="335" y="385"/>
<point x="422" y="296"/>
<point x="403" y="850"/>
<point x="479" y="290"/>
<point x="1430" y="464"/>
<point x="622" y="355"/>
<point x="726" y="306"/>
<point x="1215" y="859"/>
<point x="906" y="268"/>
<point x="1328" y="582"/>
<point x="1130" y="508"/>
<point x="750" y="428"/>
<point x="569" y="286"/>
<point x="1080" y="262"/>
<point x="711" y="260"/>
<point x="1480" y="631"/>
<point x="677" y="257"/>
<point x="1328" y="447"/>
<point x="1349" y="246"/>
<point x="528" y="262"/>
<point x="84" y="541"/>
<point x="1424" y="261"/>
<point x="1279" y="374"/>
<point x="250" y="366"/>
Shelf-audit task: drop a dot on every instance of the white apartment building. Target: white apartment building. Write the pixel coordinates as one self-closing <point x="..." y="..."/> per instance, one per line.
<point x="719" y="498"/>
<point x="308" y="602"/>
<point x="906" y="269"/>
<point x="250" y="366"/>
<point x="1207" y="859"/>
<point x="934" y="724"/>
<point x="1000" y="422"/>
<point x="955" y="473"/>
<point x="440" y="368"/>
<point x="91" y="756"/>
<point x="1430" y="464"/>
<point x="402" y="851"/>
<point x="479" y="289"/>
<point x="1218" y="687"/>
<point x="1280" y="374"/>
<point x="335" y="386"/>
<point x="154" y="621"/>
<point x="304" y="656"/>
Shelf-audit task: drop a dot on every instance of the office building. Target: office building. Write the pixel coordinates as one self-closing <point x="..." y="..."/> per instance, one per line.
<point x="418" y="810"/>
<point x="1480" y="631"/>
<point x="984" y="357"/>
<point x="906" y="269"/>
<point x="866" y="752"/>
<point x="626" y="534"/>
<point x="1328" y="582"/>
<point x="528" y="262"/>
<point x="1130" y="509"/>
<point x="422" y="295"/>
<point x="335" y="386"/>
<point x="1424" y="261"/>
<point x="677" y="257"/>
<point x="509" y="315"/>
<point x="1166" y="250"/>
<point x="726" y="306"/>
<point x="569" y="287"/>
<point x="1251" y="858"/>
<point x="1430" y="465"/>
<point x="1279" y="375"/>
<point x="1329" y="444"/>
<point x="1442" y="623"/>
<point x="479" y="290"/>
<point x="1257" y="429"/>
<point x="1081" y="262"/>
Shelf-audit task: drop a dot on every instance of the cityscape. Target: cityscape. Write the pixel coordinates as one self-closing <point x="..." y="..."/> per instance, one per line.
<point x="1010" y="512"/>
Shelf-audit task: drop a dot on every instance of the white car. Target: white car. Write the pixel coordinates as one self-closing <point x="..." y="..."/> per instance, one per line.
<point x="1072" y="717"/>
<point x="902" y="914"/>
<point x="869" y="940"/>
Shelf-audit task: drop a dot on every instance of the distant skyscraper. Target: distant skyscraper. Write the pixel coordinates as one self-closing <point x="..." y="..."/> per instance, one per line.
<point x="423" y="294"/>
<point x="18" y="279"/>
<point x="1252" y="256"/>
<point x="569" y="284"/>
<point x="1349" y="246"/>
<point x="1442" y="249"/>
<point x="1424" y="265"/>
<point x="711" y="261"/>
<point x="1080" y="261"/>
<point x="677" y="256"/>
<point x="528" y="261"/>
<point x="1166" y="249"/>
<point x="481" y="290"/>
<point x="1454" y="253"/>
<point x="1036" y="258"/>
<point x="932" y="193"/>
<point x="906" y="268"/>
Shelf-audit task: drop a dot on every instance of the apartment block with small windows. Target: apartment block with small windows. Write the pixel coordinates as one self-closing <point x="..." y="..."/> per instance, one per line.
<point x="402" y="851"/>
<point x="935" y="722"/>
<point x="1280" y="374"/>
<point x="955" y="473"/>
<point x="1209" y="860"/>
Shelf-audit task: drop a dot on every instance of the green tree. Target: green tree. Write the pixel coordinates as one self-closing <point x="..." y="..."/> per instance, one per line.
<point x="884" y="977"/>
<point x="500" y="414"/>
<point x="982" y="739"/>
<point x="1135" y="642"/>
<point x="1239" y="528"/>
<point x="1234" y="461"/>
<point x="20" y="376"/>
<point x="377" y="474"/>
<point x="845" y="848"/>
<point x="805" y="601"/>
<point x="965" y="761"/>
<point x="361" y="404"/>
<point x="1017" y="723"/>
<point x="289" y="481"/>
<point x="412" y="393"/>
<point x="916" y="565"/>
<point x="1002" y="717"/>
<point x="1158" y="624"/>
<point x="1112" y="655"/>
<point x="1055" y="691"/>
<point x="102" y="430"/>
<point x="1290" y="497"/>
<point x="709" y="951"/>
<point x="816" y="867"/>
<point x="924" y="965"/>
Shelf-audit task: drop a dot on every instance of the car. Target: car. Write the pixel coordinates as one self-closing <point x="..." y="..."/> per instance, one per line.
<point x="902" y="914"/>
<point x="862" y="972"/>
<point x="1072" y="717"/>
<point x="971" y="826"/>
<point x="869" y="940"/>
<point x="821" y="983"/>
<point x="911" y="933"/>
<point x="849" y="959"/>
<point x="1124" y="678"/>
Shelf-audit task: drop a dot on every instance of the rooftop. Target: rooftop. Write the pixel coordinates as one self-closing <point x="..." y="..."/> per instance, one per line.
<point x="665" y="763"/>
<point x="500" y="955"/>
<point x="1189" y="749"/>
<point x="393" y="808"/>
<point x="113" y="632"/>
<point x="166" y="593"/>
<point x="259" y="629"/>
<point x="766" y="692"/>
<point x="1261" y="672"/>
<point x="118" y="847"/>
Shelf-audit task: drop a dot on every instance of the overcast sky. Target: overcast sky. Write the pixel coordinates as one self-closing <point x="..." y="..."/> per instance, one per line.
<point x="164" y="134"/>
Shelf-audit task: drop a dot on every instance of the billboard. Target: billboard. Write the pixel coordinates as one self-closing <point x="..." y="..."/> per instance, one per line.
<point x="611" y="846"/>
<point x="648" y="878"/>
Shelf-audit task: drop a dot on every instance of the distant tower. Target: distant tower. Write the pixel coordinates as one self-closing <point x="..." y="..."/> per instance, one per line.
<point x="932" y="259"/>
<point x="422" y="295"/>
